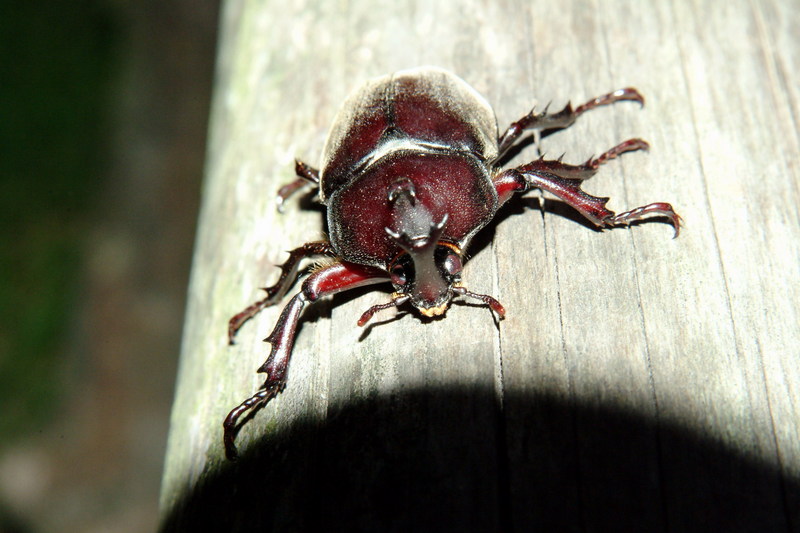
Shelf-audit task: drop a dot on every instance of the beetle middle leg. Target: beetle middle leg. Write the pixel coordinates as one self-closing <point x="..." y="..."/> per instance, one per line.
<point x="289" y="270"/>
<point x="587" y="169"/>
<point x="332" y="279"/>
<point x="565" y="180"/>
<point x="564" y="118"/>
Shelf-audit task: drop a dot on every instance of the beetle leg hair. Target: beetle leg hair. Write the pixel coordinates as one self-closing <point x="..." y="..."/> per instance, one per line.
<point x="307" y="176"/>
<point x="275" y="292"/>
<point x="563" y="119"/>
<point x="330" y="280"/>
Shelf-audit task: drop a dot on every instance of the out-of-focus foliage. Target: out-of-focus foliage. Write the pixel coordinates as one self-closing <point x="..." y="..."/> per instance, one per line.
<point x="56" y="60"/>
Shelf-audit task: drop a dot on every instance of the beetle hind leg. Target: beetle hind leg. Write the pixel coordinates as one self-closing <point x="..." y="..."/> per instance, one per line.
<point x="562" y="119"/>
<point x="307" y="175"/>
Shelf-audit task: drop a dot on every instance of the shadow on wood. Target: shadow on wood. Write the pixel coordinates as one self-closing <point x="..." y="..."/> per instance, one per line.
<point x="382" y="465"/>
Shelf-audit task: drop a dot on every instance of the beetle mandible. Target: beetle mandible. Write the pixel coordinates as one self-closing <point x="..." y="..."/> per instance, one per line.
<point x="409" y="175"/>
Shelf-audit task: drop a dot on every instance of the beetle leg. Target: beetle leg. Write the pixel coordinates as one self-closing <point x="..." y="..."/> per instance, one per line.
<point x="275" y="292"/>
<point x="569" y="190"/>
<point x="307" y="176"/>
<point x="564" y="181"/>
<point x="330" y="280"/>
<point x="563" y="119"/>
<point x="587" y="169"/>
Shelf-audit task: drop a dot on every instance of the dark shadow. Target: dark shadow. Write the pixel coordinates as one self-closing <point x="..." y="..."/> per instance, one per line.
<point x="307" y="201"/>
<point x="453" y="460"/>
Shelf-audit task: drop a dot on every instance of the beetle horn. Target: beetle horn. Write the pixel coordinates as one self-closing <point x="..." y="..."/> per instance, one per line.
<point x="430" y="292"/>
<point x="421" y="242"/>
<point x="415" y="230"/>
<point x="408" y="217"/>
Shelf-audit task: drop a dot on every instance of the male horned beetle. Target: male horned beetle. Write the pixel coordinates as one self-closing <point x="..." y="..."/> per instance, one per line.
<point x="409" y="175"/>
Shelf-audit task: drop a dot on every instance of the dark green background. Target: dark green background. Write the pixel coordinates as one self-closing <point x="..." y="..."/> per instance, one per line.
<point x="58" y="63"/>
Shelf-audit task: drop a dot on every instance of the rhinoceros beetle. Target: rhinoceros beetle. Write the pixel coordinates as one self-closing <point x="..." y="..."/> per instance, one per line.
<point x="409" y="175"/>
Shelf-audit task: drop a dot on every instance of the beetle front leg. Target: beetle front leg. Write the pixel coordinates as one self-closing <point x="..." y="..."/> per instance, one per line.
<point x="564" y="118"/>
<point x="282" y="339"/>
<point x="330" y="280"/>
<point x="275" y="292"/>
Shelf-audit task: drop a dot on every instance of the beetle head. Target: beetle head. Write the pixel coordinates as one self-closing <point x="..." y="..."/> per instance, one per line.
<point x="427" y="269"/>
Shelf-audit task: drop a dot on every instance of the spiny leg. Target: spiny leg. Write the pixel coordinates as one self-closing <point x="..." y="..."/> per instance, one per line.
<point x="282" y="339"/>
<point x="507" y="183"/>
<point x="275" y="292"/>
<point x="330" y="280"/>
<point x="587" y="169"/>
<point x="564" y="118"/>
<point x="594" y="208"/>
<point x="658" y="209"/>
<point x="564" y="181"/>
<point x="307" y="176"/>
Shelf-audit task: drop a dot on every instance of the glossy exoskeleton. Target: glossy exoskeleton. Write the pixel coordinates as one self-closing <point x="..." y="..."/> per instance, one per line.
<point x="409" y="175"/>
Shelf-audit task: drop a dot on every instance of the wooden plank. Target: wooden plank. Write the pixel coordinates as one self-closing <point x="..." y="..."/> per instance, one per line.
<point x="638" y="382"/>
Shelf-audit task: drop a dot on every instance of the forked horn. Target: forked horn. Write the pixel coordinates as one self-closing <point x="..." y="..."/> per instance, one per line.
<point x="412" y="224"/>
<point x="421" y="242"/>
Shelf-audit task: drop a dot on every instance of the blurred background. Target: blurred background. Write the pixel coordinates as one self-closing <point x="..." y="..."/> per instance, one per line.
<point x="103" y="120"/>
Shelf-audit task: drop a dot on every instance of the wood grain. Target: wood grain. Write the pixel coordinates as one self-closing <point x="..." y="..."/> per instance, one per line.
<point x="637" y="383"/>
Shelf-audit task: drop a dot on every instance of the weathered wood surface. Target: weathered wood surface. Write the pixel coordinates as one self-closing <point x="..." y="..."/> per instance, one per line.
<point x="637" y="383"/>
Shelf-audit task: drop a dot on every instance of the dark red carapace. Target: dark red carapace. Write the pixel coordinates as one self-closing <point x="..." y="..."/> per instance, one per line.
<point x="409" y="175"/>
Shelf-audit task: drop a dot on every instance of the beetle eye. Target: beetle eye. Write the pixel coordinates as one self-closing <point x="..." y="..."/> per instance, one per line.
<point x="398" y="275"/>
<point x="452" y="264"/>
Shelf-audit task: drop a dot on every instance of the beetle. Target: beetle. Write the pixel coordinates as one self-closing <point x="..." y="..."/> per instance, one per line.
<point x="409" y="175"/>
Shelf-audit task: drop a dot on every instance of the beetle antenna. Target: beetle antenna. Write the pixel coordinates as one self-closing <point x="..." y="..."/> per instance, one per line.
<point x="493" y="304"/>
<point x="397" y="300"/>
